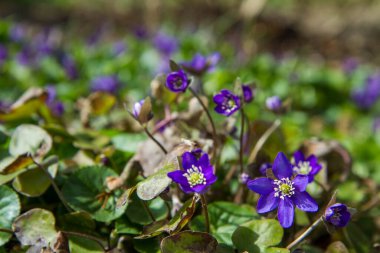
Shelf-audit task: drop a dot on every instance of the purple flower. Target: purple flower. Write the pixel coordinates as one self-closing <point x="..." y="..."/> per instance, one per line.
<point x="283" y="193"/>
<point x="119" y="48"/>
<point x="141" y="32"/>
<point x="201" y="64"/>
<point x="273" y="103"/>
<point x="26" y="56"/>
<point x="338" y="215"/>
<point x="369" y="94"/>
<point x="177" y="81"/>
<point x="17" y="33"/>
<point x="56" y="107"/>
<point x="3" y="54"/>
<point x="197" y="174"/>
<point x="350" y="65"/>
<point x="306" y="166"/>
<point x="247" y="93"/>
<point x="137" y="109"/>
<point x="70" y="67"/>
<point x="244" y="177"/>
<point x="226" y="102"/>
<point x="164" y="43"/>
<point x="108" y="84"/>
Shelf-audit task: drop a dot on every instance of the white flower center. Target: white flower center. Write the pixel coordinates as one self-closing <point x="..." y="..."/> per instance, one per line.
<point x="229" y="106"/>
<point x="284" y="188"/>
<point x="303" y="168"/>
<point x="195" y="176"/>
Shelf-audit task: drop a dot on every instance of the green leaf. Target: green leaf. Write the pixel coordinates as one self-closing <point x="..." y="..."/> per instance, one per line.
<point x="16" y="164"/>
<point x="9" y="210"/>
<point x="17" y="169"/>
<point x="124" y="226"/>
<point x="35" y="227"/>
<point x="30" y="139"/>
<point x="137" y="213"/>
<point x="128" y="142"/>
<point x="34" y="182"/>
<point x="85" y="191"/>
<point x="225" y="217"/>
<point x="77" y="222"/>
<point x="257" y="235"/>
<point x="82" y="245"/>
<point x="155" y="184"/>
<point x="189" y="242"/>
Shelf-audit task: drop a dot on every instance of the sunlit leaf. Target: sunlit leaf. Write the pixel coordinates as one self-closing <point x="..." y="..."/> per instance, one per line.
<point x="9" y="210"/>
<point x="189" y="242"/>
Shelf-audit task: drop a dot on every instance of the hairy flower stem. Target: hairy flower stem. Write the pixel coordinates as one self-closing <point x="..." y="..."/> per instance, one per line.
<point x="155" y="140"/>
<point x="241" y="141"/>
<point x="89" y="237"/>
<point x="146" y="207"/>
<point x="211" y="122"/>
<point x="304" y="234"/>
<point x="6" y="230"/>
<point x="205" y="212"/>
<point x="43" y="167"/>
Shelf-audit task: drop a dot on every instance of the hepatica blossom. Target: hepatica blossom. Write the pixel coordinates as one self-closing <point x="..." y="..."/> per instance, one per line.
<point x="197" y="174"/>
<point x="177" y="81"/>
<point x="247" y="93"/>
<point x="226" y="102"/>
<point x="137" y="110"/>
<point x="108" y="84"/>
<point x="338" y="215"/>
<point x="306" y="166"/>
<point x="273" y="103"/>
<point x="201" y="64"/>
<point x="283" y="193"/>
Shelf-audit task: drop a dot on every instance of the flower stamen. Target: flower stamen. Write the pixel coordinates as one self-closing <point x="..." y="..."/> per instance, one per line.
<point x="195" y="176"/>
<point x="303" y="168"/>
<point x="284" y="188"/>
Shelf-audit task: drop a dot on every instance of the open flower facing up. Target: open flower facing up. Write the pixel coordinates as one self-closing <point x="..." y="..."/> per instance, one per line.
<point x="338" y="215"/>
<point x="177" y="81"/>
<point x="306" y="166"/>
<point x="285" y="192"/>
<point x="197" y="174"/>
<point x="226" y="102"/>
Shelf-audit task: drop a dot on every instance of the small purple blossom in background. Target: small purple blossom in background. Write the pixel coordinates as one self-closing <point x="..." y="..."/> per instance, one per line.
<point x="285" y="192"/>
<point x="108" y="84"/>
<point x="177" y="81"/>
<point x="338" y="215"/>
<point x="70" y="67"/>
<point x="119" y="48"/>
<point x="197" y="174"/>
<point x="3" y="54"/>
<point x="140" y="32"/>
<point x="350" y="65"/>
<point x="26" y="56"/>
<point x="17" y="33"/>
<point x="56" y="107"/>
<point x="264" y="167"/>
<point x="247" y="93"/>
<point x="244" y="177"/>
<point x="165" y="44"/>
<point x="201" y="64"/>
<point x="226" y="102"/>
<point x="368" y="95"/>
<point x="273" y="103"/>
<point x="306" y="166"/>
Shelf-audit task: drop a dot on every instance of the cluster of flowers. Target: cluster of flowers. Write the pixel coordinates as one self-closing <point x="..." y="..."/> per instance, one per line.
<point x="283" y="189"/>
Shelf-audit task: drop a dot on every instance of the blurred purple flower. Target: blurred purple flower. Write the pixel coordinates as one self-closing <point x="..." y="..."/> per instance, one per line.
<point x="201" y="64"/>
<point x="3" y="54"/>
<point x="141" y="32"/>
<point x="244" y="177"/>
<point x="338" y="215"/>
<point x="306" y="166"/>
<point x="177" y="81"/>
<point x="247" y="93"/>
<point x="197" y="174"/>
<point x="108" y="84"/>
<point x="119" y="48"/>
<point x="26" y="56"/>
<point x="285" y="192"/>
<point x="273" y="103"/>
<point x="42" y="44"/>
<point x="226" y="102"/>
<point x="349" y="65"/>
<point x="17" y="33"/>
<point x="94" y="38"/>
<point x="368" y="95"/>
<point x="165" y="44"/>
<point x="70" y="67"/>
<point x="56" y="107"/>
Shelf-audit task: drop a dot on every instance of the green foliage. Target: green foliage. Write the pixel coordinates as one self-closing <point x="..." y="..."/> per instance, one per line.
<point x="9" y="210"/>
